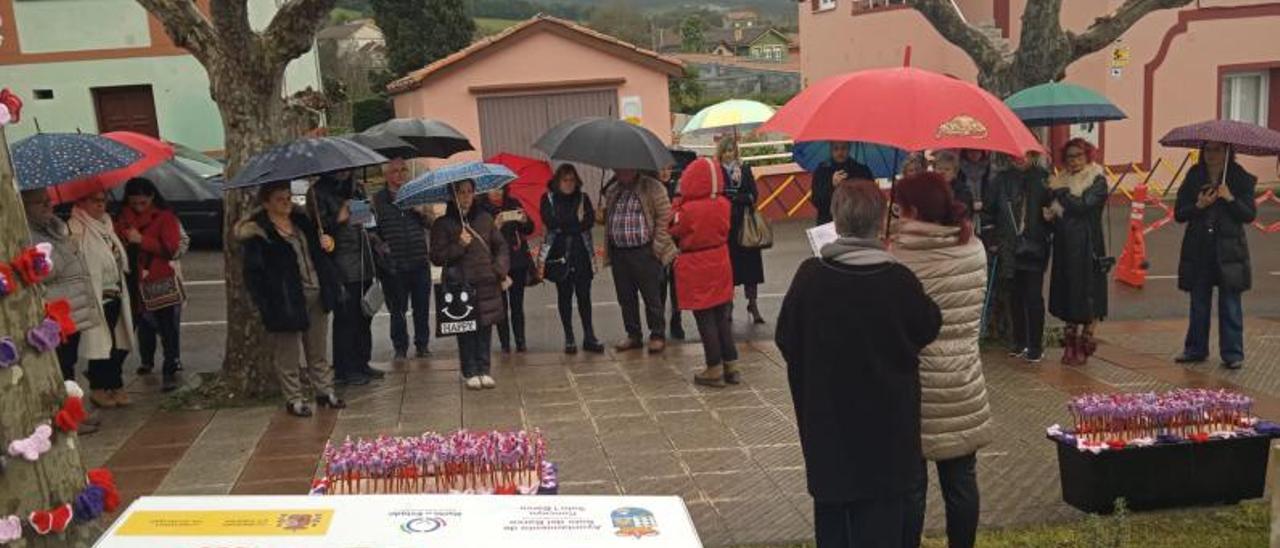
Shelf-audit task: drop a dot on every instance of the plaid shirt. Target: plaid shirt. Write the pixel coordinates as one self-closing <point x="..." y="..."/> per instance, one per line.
<point x="627" y="225"/>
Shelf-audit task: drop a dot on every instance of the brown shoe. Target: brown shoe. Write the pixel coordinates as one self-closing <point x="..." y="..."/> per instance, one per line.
<point x="731" y="373"/>
<point x="657" y="345"/>
<point x="628" y="344"/>
<point x="102" y="398"/>
<point x="121" y="398"/>
<point x="712" y="376"/>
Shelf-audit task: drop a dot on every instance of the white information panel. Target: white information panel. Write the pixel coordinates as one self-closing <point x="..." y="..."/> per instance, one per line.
<point x="403" y="521"/>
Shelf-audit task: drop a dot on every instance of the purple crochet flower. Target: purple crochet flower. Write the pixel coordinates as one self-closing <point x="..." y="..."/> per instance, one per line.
<point x="8" y="352"/>
<point x="46" y="336"/>
<point x="89" y="503"/>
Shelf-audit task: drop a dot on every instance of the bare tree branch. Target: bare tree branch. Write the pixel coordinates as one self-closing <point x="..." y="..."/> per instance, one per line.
<point x="943" y="16"/>
<point x="1108" y="28"/>
<point x="293" y="29"/>
<point x="186" y="26"/>
<point x="231" y="20"/>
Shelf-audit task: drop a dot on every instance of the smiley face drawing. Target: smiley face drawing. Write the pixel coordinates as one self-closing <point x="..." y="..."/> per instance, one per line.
<point x="459" y="307"/>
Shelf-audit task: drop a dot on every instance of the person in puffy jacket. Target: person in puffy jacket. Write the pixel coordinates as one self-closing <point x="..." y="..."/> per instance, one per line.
<point x="703" y="271"/>
<point x="153" y="236"/>
<point x="936" y="241"/>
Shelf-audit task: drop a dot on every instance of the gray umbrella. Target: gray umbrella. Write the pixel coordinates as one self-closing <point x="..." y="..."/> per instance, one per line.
<point x="385" y="144"/>
<point x="605" y="142"/>
<point x="431" y="138"/>
<point x="305" y="158"/>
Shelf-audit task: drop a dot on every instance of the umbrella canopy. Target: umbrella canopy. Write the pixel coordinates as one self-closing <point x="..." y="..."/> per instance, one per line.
<point x="177" y="182"/>
<point x="304" y="158"/>
<point x="883" y="161"/>
<point x="532" y="177"/>
<point x="433" y="186"/>
<point x="385" y="144"/>
<point x="430" y="138"/>
<point x="1244" y="138"/>
<point x="1058" y="103"/>
<point x="736" y="114"/>
<point x="907" y="108"/>
<point x="605" y="142"/>
<point x="154" y="153"/>
<point x="47" y="159"/>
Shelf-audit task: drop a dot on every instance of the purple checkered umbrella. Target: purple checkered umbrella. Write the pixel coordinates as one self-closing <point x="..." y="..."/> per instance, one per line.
<point x="1244" y="138"/>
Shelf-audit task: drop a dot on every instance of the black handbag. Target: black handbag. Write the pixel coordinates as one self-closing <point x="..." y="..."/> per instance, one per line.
<point x="1024" y="247"/>
<point x="457" y="306"/>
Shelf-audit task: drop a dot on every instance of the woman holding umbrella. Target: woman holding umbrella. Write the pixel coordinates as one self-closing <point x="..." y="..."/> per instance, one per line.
<point x="1078" y="288"/>
<point x="1216" y="202"/>
<point x="740" y="188"/>
<point x="466" y="243"/>
<point x="516" y="226"/>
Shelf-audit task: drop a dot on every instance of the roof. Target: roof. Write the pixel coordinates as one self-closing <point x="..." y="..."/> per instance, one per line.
<point x="345" y="30"/>
<point x="749" y="35"/>
<point x="540" y="23"/>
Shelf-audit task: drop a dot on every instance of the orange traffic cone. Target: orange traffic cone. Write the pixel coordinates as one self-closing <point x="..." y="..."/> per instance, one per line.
<point x="1131" y="270"/>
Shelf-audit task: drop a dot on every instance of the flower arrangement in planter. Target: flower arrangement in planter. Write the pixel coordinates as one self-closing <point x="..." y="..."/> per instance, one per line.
<point x="1115" y="421"/>
<point x="501" y="463"/>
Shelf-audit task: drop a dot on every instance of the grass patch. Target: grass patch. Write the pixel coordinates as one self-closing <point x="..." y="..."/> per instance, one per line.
<point x="213" y="393"/>
<point x="1245" y="525"/>
<point x="486" y="26"/>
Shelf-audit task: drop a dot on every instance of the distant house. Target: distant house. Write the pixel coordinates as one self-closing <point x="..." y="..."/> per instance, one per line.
<point x="758" y="43"/>
<point x="358" y="36"/>
<point x="741" y="19"/>
<point x="107" y="65"/>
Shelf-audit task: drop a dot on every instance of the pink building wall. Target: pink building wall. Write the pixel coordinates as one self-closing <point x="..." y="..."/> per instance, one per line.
<point x="536" y="58"/>
<point x="1184" y="83"/>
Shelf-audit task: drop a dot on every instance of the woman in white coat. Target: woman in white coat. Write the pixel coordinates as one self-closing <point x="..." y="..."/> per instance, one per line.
<point x="104" y="345"/>
<point x="935" y="240"/>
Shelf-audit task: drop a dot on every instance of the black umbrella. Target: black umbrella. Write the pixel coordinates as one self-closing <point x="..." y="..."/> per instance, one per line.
<point x="605" y="142"/>
<point x="305" y="158"/>
<point x="431" y="138"/>
<point x="385" y="144"/>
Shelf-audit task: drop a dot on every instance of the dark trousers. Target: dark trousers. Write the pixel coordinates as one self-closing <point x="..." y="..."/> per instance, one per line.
<point x="68" y="355"/>
<point x="1230" y="323"/>
<point x="402" y="289"/>
<point x="1026" y="304"/>
<point x="958" y="479"/>
<point x="514" y="323"/>
<point x="871" y="523"/>
<point x="715" y="326"/>
<point x="565" y="292"/>
<point x="106" y="374"/>
<point x="167" y="324"/>
<point x="352" y="333"/>
<point x="637" y="270"/>
<point x="473" y="351"/>
<point x="669" y="293"/>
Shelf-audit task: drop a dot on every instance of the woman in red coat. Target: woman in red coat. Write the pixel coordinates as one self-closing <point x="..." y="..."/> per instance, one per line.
<point x="704" y="274"/>
<point x="154" y="239"/>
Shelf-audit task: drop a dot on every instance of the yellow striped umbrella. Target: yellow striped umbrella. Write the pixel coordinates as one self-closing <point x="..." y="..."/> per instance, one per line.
<point x="736" y="114"/>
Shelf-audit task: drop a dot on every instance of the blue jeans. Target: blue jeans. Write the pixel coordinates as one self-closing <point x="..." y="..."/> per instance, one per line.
<point x="1230" y="323"/>
<point x="402" y="289"/>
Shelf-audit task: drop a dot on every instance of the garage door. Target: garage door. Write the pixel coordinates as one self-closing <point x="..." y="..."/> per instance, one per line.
<point x="513" y="123"/>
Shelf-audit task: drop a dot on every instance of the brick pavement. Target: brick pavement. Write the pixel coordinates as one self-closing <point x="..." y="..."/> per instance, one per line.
<point x="634" y="424"/>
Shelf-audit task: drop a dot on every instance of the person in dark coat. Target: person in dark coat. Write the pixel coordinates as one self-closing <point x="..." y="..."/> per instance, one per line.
<point x="355" y="259"/>
<point x="516" y="226"/>
<point x="1216" y="203"/>
<point x="466" y="243"/>
<point x="1020" y="241"/>
<point x="841" y="167"/>
<point x="740" y="188"/>
<point x="669" y="179"/>
<point x="294" y="284"/>
<point x="402" y="239"/>
<point x="1078" y="288"/>
<point x="567" y="254"/>
<point x="851" y="330"/>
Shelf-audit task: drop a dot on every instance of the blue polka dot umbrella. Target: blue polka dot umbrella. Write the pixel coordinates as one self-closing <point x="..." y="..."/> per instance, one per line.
<point x="434" y="187"/>
<point x="49" y="159"/>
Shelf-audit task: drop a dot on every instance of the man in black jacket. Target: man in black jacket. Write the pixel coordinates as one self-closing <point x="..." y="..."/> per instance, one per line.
<point x="407" y="281"/>
<point x="840" y="168"/>
<point x="851" y="330"/>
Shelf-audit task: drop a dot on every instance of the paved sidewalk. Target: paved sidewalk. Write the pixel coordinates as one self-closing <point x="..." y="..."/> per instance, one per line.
<point x="634" y="424"/>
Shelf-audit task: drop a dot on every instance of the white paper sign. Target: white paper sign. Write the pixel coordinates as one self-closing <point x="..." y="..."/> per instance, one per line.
<point x="821" y="235"/>
<point x="403" y="521"/>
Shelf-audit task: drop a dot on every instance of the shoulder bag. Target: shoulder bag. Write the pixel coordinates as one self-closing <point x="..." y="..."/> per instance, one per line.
<point x="756" y="232"/>
<point x="457" y="307"/>
<point x="373" y="298"/>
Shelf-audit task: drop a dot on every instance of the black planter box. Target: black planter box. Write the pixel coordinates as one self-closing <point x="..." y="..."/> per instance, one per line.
<point x="1164" y="476"/>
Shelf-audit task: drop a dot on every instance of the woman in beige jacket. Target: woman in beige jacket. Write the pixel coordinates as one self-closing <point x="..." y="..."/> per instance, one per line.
<point x="935" y="240"/>
<point x="106" y="345"/>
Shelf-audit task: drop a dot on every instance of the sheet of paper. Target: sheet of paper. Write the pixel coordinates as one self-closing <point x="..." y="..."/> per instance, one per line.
<point x="361" y="213"/>
<point x="821" y="235"/>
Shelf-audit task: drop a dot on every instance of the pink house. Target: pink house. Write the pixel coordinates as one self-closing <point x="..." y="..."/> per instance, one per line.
<point x="1213" y="58"/>
<point x="505" y="91"/>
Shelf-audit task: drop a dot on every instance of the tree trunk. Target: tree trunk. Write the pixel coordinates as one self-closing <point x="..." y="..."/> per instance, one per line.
<point x="31" y="393"/>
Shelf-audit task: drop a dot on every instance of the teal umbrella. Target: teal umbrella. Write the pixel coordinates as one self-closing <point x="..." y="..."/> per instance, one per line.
<point x="1057" y="103"/>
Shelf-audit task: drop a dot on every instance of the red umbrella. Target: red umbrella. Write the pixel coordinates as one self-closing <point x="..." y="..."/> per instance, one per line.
<point x="907" y="108"/>
<point x="154" y="152"/>
<point x="530" y="185"/>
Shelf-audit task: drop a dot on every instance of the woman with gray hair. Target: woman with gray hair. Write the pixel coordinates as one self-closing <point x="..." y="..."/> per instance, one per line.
<point x="851" y="330"/>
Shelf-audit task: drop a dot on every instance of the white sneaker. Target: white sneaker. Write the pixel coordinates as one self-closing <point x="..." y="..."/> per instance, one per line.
<point x="488" y="382"/>
<point x="474" y="383"/>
